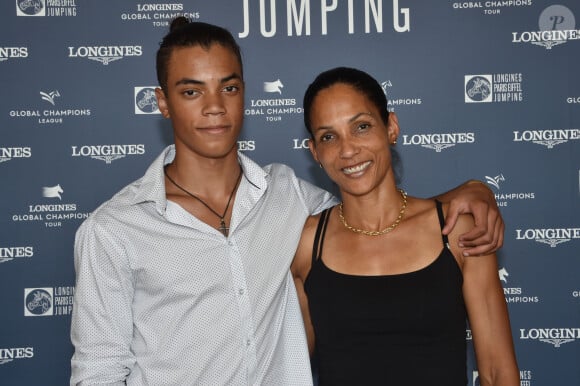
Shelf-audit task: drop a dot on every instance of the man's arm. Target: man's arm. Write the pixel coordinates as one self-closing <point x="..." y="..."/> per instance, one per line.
<point x="476" y="198"/>
<point x="101" y="324"/>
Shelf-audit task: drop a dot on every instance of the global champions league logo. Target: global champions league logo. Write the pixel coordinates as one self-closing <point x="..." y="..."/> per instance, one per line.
<point x="503" y="198"/>
<point x="557" y="26"/>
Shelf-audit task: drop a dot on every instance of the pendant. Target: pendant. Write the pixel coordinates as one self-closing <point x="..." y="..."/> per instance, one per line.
<point x="223" y="228"/>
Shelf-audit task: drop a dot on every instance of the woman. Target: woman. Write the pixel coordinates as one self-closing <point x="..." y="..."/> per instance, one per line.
<point x="384" y="293"/>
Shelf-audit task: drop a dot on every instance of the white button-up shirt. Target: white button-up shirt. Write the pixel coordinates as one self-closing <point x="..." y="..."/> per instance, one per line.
<point x="165" y="299"/>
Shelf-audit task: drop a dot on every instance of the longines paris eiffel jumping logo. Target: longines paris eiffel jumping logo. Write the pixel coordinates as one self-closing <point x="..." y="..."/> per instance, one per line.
<point x="53" y="8"/>
<point x="146" y="101"/>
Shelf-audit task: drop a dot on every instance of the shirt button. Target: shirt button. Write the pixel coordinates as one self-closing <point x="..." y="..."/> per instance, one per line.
<point x="248" y="342"/>
<point x="241" y="291"/>
<point x="231" y="243"/>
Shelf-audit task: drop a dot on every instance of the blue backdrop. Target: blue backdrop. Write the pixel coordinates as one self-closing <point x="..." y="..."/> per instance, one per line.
<point x="483" y="89"/>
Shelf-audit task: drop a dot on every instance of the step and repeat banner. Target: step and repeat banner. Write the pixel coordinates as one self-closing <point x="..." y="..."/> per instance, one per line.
<point x="483" y="89"/>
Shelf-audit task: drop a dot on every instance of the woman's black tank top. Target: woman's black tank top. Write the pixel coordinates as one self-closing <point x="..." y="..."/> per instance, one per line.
<point x="400" y="330"/>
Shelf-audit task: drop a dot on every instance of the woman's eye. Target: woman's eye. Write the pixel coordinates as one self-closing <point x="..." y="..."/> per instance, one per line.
<point x="325" y="137"/>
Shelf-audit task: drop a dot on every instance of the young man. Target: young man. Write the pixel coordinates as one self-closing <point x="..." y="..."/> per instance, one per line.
<point x="183" y="276"/>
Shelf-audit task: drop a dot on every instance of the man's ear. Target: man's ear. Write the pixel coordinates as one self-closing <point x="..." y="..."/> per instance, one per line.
<point x="162" y="102"/>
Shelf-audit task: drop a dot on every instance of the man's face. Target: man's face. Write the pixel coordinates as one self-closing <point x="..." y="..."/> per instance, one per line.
<point x="204" y="100"/>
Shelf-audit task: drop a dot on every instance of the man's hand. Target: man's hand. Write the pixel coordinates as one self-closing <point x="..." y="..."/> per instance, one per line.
<point x="476" y="198"/>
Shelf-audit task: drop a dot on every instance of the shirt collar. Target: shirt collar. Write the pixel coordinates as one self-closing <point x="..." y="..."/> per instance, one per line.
<point x="151" y="187"/>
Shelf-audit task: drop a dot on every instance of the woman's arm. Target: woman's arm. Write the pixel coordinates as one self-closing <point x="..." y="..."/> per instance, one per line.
<point x="488" y="315"/>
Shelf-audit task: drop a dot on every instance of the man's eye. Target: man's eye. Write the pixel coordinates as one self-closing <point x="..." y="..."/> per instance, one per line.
<point x="231" y="88"/>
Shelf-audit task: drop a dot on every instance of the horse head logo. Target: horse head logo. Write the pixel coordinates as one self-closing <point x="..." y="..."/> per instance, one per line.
<point x="52" y="191"/>
<point x="503" y="274"/>
<point x="275" y="86"/>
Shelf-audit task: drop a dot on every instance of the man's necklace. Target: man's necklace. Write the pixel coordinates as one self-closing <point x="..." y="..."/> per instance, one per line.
<point x="376" y="233"/>
<point x="223" y="228"/>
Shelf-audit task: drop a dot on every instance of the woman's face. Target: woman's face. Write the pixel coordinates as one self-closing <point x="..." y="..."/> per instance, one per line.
<point x="350" y="140"/>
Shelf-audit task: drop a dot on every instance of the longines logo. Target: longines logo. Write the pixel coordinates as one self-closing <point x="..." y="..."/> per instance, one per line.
<point x="550" y="236"/>
<point x="300" y="143"/>
<point x="104" y="54"/>
<point x="493" y="88"/>
<point x="50" y="115"/>
<point x="13" y="53"/>
<point x="10" y="354"/>
<point x="49" y="213"/>
<point x="108" y="153"/>
<point x="50" y="301"/>
<point x="9" y="153"/>
<point x="66" y="8"/>
<point x="11" y="253"/>
<point x="145" y="100"/>
<point x="438" y="142"/>
<point x="394" y="102"/>
<point x="548" y="138"/>
<point x="503" y="198"/>
<point x="299" y="20"/>
<point x="247" y="145"/>
<point x="554" y="336"/>
<point x="159" y="15"/>
<point x="273" y="109"/>
<point x="557" y="25"/>
<point x="514" y="294"/>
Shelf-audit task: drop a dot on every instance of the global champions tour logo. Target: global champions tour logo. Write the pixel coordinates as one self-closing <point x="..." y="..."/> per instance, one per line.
<point x="514" y="294"/>
<point x="493" y="88"/>
<point x="273" y="109"/>
<point x="65" y="8"/>
<point x="48" y="301"/>
<point x="557" y="26"/>
<point x="51" y="214"/>
<point x="146" y="101"/>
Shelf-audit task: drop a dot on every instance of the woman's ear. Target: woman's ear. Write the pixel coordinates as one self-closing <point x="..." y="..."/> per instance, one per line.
<point x="393" y="129"/>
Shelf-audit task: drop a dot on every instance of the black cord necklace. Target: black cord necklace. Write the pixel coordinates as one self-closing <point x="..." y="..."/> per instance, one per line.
<point x="223" y="228"/>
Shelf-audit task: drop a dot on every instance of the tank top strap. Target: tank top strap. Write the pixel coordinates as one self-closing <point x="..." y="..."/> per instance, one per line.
<point x="319" y="236"/>
<point x="442" y="222"/>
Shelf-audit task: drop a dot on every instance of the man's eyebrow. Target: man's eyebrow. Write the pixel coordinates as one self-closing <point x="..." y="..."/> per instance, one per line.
<point x="185" y="81"/>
